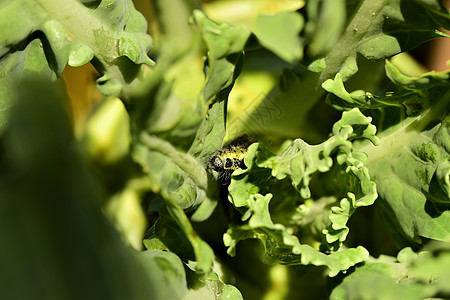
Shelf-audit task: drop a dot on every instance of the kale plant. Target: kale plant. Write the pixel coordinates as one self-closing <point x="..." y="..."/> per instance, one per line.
<point x="341" y="190"/>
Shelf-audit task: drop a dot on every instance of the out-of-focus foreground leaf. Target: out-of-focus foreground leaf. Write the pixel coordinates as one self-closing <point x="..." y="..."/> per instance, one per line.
<point x="55" y="242"/>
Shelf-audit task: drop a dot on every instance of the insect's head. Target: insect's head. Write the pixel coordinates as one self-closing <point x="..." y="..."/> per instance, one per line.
<point x="216" y="163"/>
<point x="229" y="159"/>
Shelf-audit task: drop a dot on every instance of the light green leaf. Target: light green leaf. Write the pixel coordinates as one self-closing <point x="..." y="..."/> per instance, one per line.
<point x="285" y="110"/>
<point x="380" y="29"/>
<point x="174" y="232"/>
<point x="213" y="288"/>
<point x="226" y="45"/>
<point x="170" y="272"/>
<point x="409" y="96"/>
<point x="410" y="165"/>
<point x="431" y="266"/>
<point x="373" y="29"/>
<point x="283" y="247"/>
<point x="76" y="33"/>
<point x="414" y="200"/>
<point x="280" y="34"/>
<point x="174" y="173"/>
<point x="326" y="22"/>
<point x="55" y="33"/>
<point x="410" y="276"/>
<point x="296" y="164"/>
<point x="374" y="281"/>
<point x="180" y="177"/>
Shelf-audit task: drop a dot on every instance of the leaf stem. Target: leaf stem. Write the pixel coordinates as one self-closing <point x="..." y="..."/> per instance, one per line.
<point x="184" y="161"/>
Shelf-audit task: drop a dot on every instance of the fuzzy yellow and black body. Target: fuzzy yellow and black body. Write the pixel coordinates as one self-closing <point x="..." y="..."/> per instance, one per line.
<point x="230" y="158"/>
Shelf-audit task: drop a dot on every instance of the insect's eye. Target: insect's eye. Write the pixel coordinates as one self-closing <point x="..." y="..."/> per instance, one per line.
<point x="228" y="163"/>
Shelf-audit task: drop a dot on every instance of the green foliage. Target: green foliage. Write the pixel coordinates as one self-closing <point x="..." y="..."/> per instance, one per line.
<point x="349" y="159"/>
<point x="298" y="162"/>
<point x="419" y="143"/>
<point x="406" y="277"/>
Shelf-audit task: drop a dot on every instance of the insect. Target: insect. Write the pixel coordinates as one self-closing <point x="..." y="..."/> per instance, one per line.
<point x="230" y="158"/>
